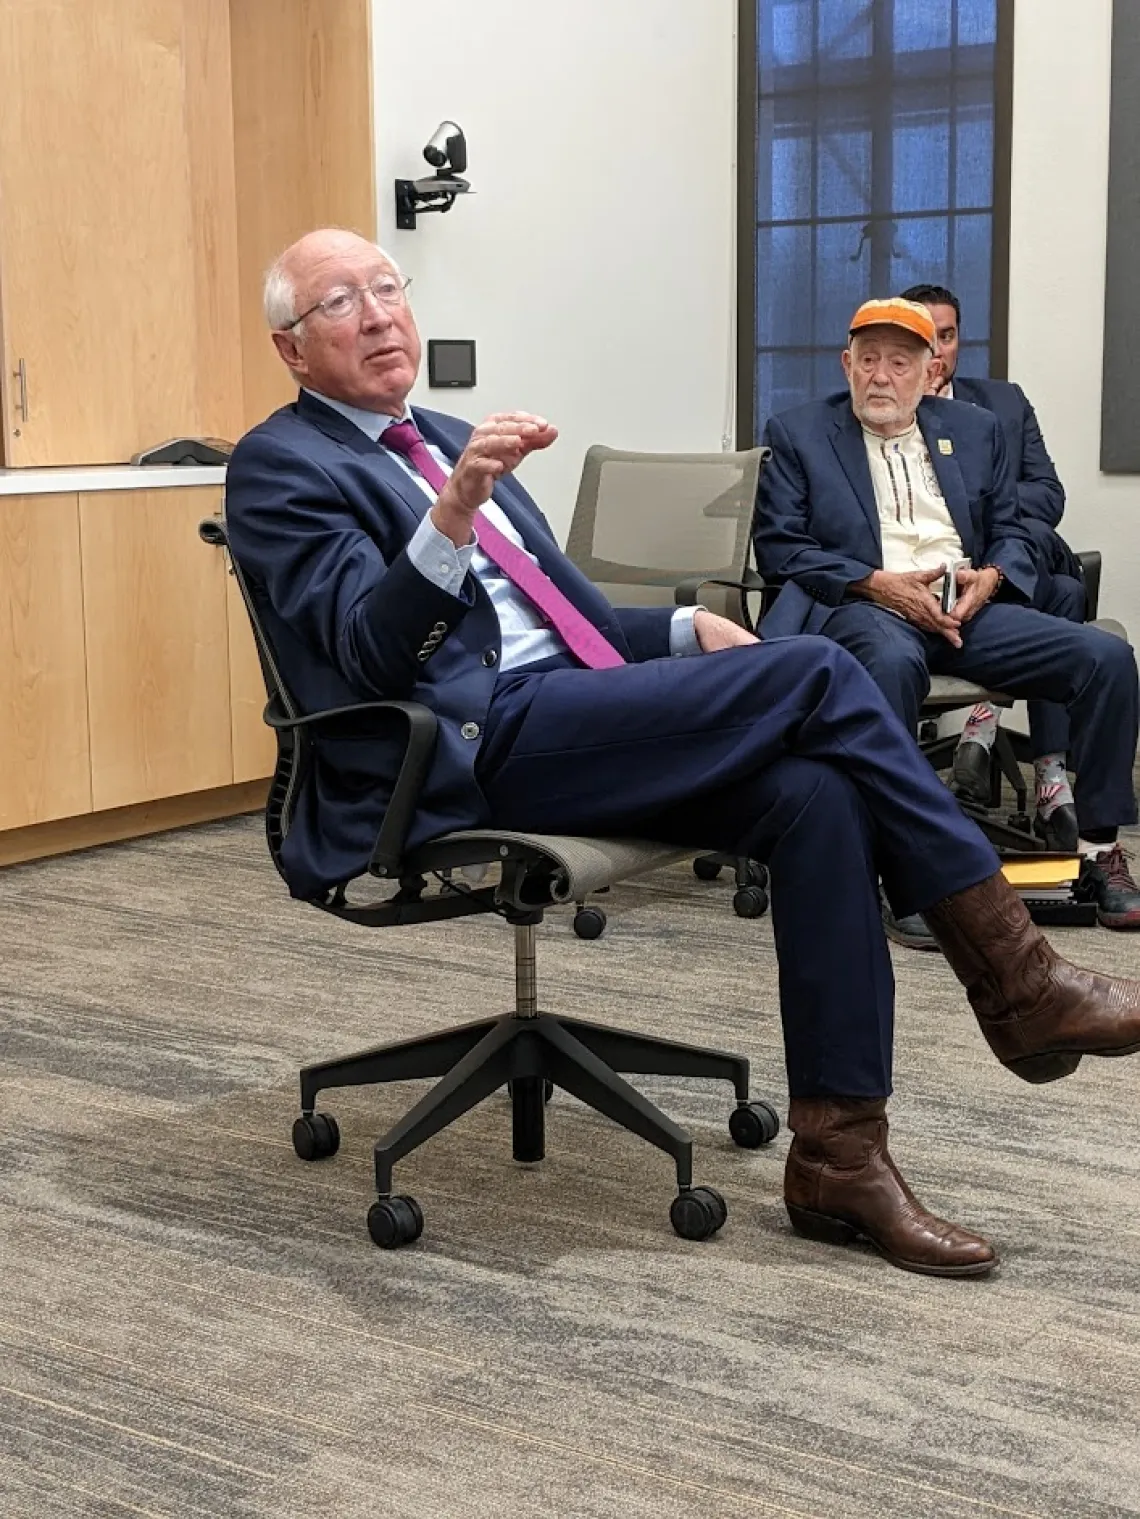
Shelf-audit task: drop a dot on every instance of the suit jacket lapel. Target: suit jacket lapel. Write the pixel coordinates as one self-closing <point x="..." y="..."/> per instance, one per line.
<point x="394" y="478"/>
<point x="949" y="477"/>
<point x="849" y="445"/>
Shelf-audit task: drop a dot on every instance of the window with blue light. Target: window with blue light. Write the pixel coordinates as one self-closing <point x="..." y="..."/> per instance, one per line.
<point x="874" y="170"/>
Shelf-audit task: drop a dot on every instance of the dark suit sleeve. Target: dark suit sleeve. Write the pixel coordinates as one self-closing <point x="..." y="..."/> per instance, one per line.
<point x="646" y="630"/>
<point x="1040" y="494"/>
<point x="296" y="538"/>
<point x="1008" y="546"/>
<point x="782" y="536"/>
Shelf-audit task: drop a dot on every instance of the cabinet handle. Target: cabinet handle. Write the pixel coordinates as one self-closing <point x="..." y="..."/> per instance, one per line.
<point x="20" y="375"/>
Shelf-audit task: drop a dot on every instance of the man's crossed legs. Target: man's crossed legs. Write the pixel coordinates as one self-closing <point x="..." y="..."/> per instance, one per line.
<point x="787" y="752"/>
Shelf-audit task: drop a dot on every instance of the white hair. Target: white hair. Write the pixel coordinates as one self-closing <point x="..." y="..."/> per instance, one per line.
<point x="279" y="296"/>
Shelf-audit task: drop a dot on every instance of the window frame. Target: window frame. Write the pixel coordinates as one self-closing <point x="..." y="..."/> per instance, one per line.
<point x="747" y="125"/>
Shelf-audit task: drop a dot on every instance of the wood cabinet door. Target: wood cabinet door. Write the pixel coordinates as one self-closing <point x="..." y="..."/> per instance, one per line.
<point x="44" y="765"/>
<point x="255" y="748"/>
<point x="157" y="646"/>
<point x="118" y="228"/>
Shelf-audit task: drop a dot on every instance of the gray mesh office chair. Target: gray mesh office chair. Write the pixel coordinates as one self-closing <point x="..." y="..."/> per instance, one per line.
<point x="526" y="1050"/>
<point x="672" y="529"/>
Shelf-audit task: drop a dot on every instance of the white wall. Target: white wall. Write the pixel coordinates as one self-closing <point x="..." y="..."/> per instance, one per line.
<point x="1057" y="253"/>
<point x="594" y="264"/>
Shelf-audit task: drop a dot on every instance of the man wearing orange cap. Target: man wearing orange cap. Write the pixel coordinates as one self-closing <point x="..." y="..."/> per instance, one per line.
<point x="870" y="497"/>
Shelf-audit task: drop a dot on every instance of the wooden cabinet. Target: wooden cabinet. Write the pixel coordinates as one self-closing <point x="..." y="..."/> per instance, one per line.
<point x="118" y="228"/>
<point x="302" y="150"/>
<point x="157" y="646"/>
<point x="44" y="761"/>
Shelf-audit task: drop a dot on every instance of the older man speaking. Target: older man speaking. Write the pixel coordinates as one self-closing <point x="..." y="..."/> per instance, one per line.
<point x="869" y="498"/>
<point x="393" y="554"/>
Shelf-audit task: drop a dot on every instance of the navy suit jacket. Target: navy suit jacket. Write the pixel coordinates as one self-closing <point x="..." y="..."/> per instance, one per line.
<point x="1040" y="495"/>
<point x="319" y="517"/>
<point x="816" y="529"/>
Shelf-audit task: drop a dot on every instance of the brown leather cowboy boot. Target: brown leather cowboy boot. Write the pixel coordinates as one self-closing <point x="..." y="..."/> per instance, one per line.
<point x="1039" y="1013"/>
<point x="841" y="1183"/>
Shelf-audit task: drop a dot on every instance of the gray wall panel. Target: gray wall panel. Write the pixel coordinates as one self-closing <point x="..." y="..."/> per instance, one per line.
<point x="1120" y="403"/>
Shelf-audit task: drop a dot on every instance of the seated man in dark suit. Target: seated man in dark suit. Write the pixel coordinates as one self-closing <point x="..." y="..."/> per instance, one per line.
<point x="1059" y="590"/>
<point x="393" y="554"/>
<point x="867" y="498"/>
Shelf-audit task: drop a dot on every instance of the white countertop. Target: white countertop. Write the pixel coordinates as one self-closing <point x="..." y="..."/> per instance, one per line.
<point x="107" y="477"/>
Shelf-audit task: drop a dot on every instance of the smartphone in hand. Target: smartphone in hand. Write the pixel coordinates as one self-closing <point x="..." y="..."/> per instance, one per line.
<point x="950" y="584"/>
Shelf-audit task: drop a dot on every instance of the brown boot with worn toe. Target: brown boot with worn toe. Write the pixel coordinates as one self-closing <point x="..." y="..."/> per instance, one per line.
<point x="840" y="1184"/>
<point x="1039" y="1014"/>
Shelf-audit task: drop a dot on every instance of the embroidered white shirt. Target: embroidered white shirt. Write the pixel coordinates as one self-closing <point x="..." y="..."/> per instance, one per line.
<point x="917" y="529"/>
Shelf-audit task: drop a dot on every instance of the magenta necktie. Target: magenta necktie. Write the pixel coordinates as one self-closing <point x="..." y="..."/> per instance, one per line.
<point x="578" y="633"/>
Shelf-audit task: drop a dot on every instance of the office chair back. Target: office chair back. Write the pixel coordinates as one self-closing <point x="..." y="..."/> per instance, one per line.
<point x="645" y="523"/>
<point x="294" y="744"/>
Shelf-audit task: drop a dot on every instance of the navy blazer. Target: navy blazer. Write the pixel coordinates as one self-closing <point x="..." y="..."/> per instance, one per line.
<point x="1040" y="495"/>
<point x="816" y="529"/>
<point x="319" y="517"/>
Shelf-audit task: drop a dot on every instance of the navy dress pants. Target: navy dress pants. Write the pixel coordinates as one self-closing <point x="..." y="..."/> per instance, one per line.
<point x="1027" y="653"/>
<point x="1060" y="596"/>
<point x="785" y="751"/>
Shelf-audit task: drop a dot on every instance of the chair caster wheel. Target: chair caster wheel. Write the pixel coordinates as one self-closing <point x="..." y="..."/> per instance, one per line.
<point x="698" y="1213"/>
<point x="316" y="1137"/>
<point x="750" y="902"/>
<point x="395" y="1221"/>
<point x="754" y="1124"/>
<point x="755" y="874"/>
<point x="547" y="1089"/>
<point x="589" y="922"/>
<point x="705" y="868"/>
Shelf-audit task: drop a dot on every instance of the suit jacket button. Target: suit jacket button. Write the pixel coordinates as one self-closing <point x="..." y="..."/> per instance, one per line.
<point x="490" y="658"/>
<point x="470" y="730"/>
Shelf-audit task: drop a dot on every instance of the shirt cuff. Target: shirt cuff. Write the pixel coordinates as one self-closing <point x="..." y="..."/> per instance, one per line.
<point x="682" y="635"/>
<point x="437" y="558"/>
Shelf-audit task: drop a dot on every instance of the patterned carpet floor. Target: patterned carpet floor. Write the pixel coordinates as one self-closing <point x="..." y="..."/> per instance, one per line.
<point x="193" y="1322"/>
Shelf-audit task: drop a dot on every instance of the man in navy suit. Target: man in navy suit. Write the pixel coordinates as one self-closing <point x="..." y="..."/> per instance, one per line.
<point x="1060" y="587"/>
<point x="388" y="550"/>
<point x="869" y="497"/>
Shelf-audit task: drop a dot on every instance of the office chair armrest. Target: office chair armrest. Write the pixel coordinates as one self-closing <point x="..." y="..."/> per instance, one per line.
<point x="388" y="850"/>
<point x="685" y="592"/>
<point x="1090" y="563"/>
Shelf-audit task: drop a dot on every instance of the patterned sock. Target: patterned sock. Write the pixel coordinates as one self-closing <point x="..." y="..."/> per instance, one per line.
<point x="1053" y="789"/>
<point x="981" y="726"/>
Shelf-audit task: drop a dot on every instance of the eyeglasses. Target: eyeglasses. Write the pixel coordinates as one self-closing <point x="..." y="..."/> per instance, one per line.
<point x="348" y="300"/>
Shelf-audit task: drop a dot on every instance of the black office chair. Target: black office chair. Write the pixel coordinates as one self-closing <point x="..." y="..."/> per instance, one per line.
<point x="527" y="1050"/>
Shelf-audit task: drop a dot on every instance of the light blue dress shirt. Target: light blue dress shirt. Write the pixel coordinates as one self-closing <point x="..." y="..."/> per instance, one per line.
<point x="524" y="636"/>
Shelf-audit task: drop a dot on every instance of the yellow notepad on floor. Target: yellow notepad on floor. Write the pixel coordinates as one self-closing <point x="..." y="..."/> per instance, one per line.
<point x="1043" y="870"/>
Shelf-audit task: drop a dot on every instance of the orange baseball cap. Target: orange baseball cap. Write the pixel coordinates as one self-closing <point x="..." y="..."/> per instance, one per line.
<point x="896" y="313"/>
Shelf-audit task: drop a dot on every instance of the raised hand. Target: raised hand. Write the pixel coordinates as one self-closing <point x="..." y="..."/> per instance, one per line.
<point x="495" y="448"/>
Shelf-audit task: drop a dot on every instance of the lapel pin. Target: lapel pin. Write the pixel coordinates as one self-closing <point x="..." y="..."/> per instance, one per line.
<point x="945" y="446"/>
